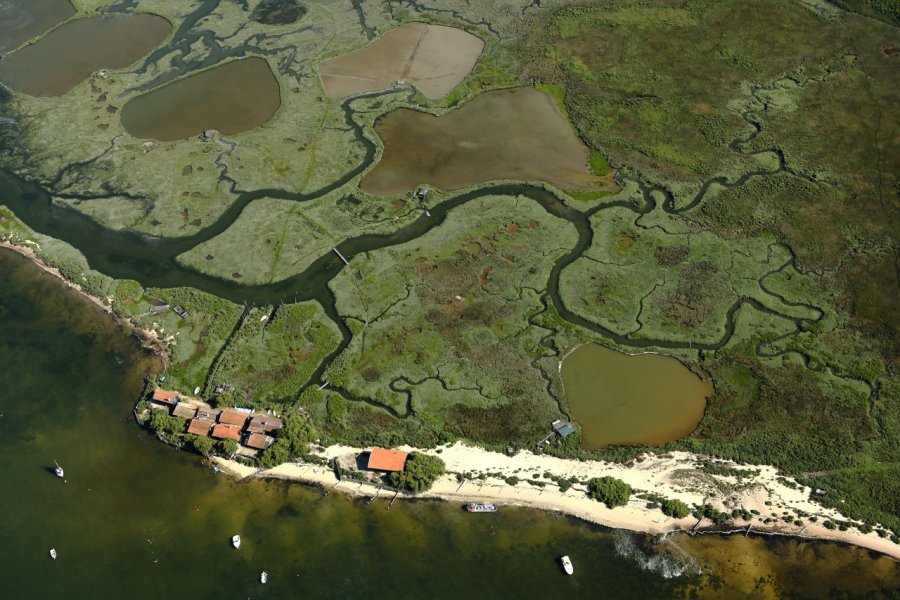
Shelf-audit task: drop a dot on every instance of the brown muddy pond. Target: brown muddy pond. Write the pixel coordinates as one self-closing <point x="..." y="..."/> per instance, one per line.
<point x="66" y="56"/>
<point x="21" y="20"/>
<point x="622" y="399"/>
<point x="506" y="134"/>
<point x="230" y="98"/>
<point x="433" y="58"/>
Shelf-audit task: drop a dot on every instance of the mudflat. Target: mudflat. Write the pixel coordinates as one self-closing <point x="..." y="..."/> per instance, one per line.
<point x="433" y="58"/>
<point x="517" y="134"/>
<point x="66" y="56"/>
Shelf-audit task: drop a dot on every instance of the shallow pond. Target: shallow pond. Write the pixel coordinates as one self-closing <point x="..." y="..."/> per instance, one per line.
<point x="230" y="98"/>
<point x="433" y="58"/>
<point x="66" y="56"/>
<point x="517" y="134"/>
<point x="21" y="20"/>
<point x="622" y="399"/>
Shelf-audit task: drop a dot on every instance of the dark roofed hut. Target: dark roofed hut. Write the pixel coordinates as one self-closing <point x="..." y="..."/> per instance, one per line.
<point x="563" y="428"/>
<point x="184" y="411"/>
<point x="200" y="426"/>
<point x="264" y="424"/>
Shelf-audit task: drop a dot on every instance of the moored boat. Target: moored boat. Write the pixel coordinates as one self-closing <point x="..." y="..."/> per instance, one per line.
<point x="58" y="470"/>
<point x="263" y="577"/>
<point x="53" y="553"/>
<point x="479" y="507"/>
<point x="236" y="541"/>
<point x="567" y="565"/>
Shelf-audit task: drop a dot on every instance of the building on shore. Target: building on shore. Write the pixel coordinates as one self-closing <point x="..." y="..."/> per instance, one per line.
<point x="389" y="461"/>
<point x="233" y="416"/>
<point x="258" y="441"/>
<point x="264" y="424"/>
<point x="166" y="398"/>
<point x="185" y="411"/>
<point x="200" y="426"/>
<point x="222" y="431"/>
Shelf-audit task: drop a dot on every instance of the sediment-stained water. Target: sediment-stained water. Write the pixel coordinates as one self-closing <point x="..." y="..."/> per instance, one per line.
<point x="135" y="518"/>
<point x="517" y="134"/>
<point x="67" y="55"/>
<point x="21" y="20"/>
<point x="230" y="98"/>
<point x="622" y="399"/>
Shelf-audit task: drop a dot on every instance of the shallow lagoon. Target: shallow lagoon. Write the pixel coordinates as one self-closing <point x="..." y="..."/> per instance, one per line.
<point x="622" y="399"/>
<point x="230" y="98"/>
<point x="21" y="20"/>
<point x="69" y="54"/>
<point x="518" y="134"/>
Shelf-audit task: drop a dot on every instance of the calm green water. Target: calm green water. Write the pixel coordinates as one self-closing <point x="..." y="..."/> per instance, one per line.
<point x="136" y="519"/>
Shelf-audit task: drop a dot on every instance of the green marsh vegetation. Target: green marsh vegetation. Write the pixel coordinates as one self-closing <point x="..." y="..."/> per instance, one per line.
<point x="647" y="84"/>
<point x="452" y="334"/>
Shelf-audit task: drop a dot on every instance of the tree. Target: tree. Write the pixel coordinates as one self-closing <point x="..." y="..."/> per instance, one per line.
<point x="277" y="453"/>
<point x="203" y="444"/>
<point x="297" y="433"/>
<point x="227" y="447"/>
<point x="162" y="422"/>
<point x="675" y="508"/>
<point x="610" y="491"/>
<point x="420" y="471"/>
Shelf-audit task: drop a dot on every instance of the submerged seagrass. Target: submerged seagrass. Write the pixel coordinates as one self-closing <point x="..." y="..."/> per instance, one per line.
<point x="66" y="56"/>
<point x="622" y="399"/>
<point x="230" y="98"/>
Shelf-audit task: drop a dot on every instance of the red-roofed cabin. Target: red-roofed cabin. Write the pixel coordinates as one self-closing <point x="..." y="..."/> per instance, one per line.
<point x="232" y="416"/>
<point x="258" y="441"/>
<point x="264" y="424"/>
<point x="227" y="432"/>
<point x="200" y="426"/>
<point x="167" y="397"/>
<point x="381" y="459"/>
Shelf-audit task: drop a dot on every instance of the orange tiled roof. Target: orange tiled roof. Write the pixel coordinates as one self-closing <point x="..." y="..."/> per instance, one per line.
<point x="232" y="416"/>
<point x="165" y="396"/>
<point x="258" y="441"/>
<point x="222" y="432"/>
<point x="381" y="459"/>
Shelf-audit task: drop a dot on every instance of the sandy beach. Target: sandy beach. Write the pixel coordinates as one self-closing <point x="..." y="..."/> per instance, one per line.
<point x="673" y="476"/>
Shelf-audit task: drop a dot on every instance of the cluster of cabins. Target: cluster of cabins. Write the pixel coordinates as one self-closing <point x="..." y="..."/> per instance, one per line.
<point x="249" y="429"/>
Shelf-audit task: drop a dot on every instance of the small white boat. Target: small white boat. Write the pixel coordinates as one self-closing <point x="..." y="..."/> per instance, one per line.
<point x="58" y="470"/>
<point x="53" y="553"/>
<point x="236" y="541"/>
<point x="567" y="565"/>
<point x="263" y="577"/>
<point x="477" y="507"/>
